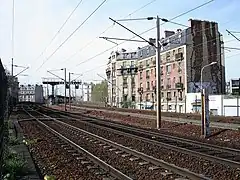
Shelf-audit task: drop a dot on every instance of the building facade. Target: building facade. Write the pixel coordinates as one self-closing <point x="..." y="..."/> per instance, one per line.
<point x="233" y="86"/>
<point x="31" y="93"/>
<point x="122" y="77"/>
<point x="184" y="53"/>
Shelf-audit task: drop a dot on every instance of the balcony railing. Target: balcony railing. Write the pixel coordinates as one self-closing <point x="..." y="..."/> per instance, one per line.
<point x="179" y="85"/>
<point x="178" y="56"/>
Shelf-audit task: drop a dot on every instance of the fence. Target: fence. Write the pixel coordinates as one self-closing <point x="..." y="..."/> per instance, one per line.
<point x="3" y="111"/>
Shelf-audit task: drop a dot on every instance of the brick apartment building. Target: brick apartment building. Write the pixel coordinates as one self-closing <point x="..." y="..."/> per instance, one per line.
<point x="183" y="55"/>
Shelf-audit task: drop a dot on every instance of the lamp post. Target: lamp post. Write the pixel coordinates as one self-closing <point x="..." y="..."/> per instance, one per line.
<point x="202" y="99"/>
<point x="212" y="63"/>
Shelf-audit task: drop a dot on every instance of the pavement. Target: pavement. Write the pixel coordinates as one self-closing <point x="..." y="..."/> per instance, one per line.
<point x="22" y="151"/>
<point x="170" y="119"/>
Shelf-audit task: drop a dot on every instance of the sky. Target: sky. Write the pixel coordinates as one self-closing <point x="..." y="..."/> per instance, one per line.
<point x="37" y="21"/>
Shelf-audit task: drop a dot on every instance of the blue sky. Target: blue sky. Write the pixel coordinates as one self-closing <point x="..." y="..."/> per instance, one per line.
<point x="36" y="22"/>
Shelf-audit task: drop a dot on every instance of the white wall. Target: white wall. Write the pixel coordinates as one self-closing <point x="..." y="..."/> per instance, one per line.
<point x="217" y="104"/>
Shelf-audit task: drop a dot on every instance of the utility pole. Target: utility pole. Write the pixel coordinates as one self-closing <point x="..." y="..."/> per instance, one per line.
<point x="65" y="93"/>
<point x="158" y="62"/>
<point x="12" y="66"/>
<point x="69" y="91"/>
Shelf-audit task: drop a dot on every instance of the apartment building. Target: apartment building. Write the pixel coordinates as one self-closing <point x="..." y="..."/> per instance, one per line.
<point x="146" y="90"/>
<point x="122" y="77"/>
<point x="184" y="54"/>
<point x="31" y="93"/>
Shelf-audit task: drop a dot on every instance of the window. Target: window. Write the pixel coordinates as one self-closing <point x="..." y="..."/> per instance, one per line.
<point x="162" y="94"/>
<point x="174" y="80"/>
<point x="124" y="80"/>
<point x="147" y="74"/>
<point x="151" y="71"/>
<point x="148" y="97"/>
<point x="140" y="75"/>
<point x="148" y="86"/>
<point x="168" y="81"/>
<point x="124" y="64"/>
<point x="169" y="95"/>
<point x="141" y="85"/>
<point x="169" y="107"/>
<point x="180" y="94"/>
<point x="133" y="98"/>
<point x="174" y="52"/>
<point x="132" y="63"/>
<point x="161" y="81"/>
<point x="147" y="62"/>
<point x="180" y="79"/>
<point x="179" y="50"/>
<point x="174" y="94"/>
<point x="168" y="69"/>
<point x="148" y="50"/>
<point x="152" y="84"/>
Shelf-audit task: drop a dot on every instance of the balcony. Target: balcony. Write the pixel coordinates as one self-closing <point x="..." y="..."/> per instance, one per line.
<point x="179" y="56"/>
<point x="179" y="85"/>
<point x="125" y="84"/>
<point x="133" y="83"/>
<point x="168" y="86"/>
<point x="180" y="98"/>
<point x="169" y="99"/>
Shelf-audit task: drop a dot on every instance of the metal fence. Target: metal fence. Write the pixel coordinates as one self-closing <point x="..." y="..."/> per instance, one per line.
<point x="3" y="111"/>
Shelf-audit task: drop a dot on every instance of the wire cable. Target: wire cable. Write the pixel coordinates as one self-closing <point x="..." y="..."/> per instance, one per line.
<point x="72" y="34"/>
<point x="58" y="32"/>
<point x="154" y="55"/>
<point x="13" y="24"/>
<point x="93" y="40"/>
<point x="182" y="14"/>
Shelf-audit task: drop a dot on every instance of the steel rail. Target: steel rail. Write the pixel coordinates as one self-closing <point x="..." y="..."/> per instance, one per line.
<point x="178" y="170"/>
<point x="108" y="168"/>
<point x="177" y="140"/>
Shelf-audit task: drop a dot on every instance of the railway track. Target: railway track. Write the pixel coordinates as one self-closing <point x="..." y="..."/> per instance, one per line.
<point x="121" y="153"/>
<point x="222" y="155"/>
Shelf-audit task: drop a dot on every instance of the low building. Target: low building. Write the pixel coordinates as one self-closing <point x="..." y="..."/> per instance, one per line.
<point x="31" y="93"/>
<point x="219" y="105"/>
<point x="234" y="86"/>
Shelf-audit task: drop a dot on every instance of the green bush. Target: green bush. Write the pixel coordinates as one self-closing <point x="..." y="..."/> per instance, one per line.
<point x="13" y="141"/>
<point x="13" y="166"/>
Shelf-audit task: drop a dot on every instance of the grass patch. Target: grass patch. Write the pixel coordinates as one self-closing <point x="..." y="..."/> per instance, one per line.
<point x="13" y="166"/>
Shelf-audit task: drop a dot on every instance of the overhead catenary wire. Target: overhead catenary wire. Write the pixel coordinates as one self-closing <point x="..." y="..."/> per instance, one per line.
<point x="48" y="58"/>
<point x="136" y="36"/>
<point x="154" y="55"/>
<point x="13" y="24"/>
<point x="90" y="42"/>
<point x="60" y="29"/>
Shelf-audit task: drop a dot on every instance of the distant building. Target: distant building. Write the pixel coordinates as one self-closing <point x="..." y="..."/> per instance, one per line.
<point x="31" y="93"/>
<point x="234" y="86"/>
<point x="122" y="76"/>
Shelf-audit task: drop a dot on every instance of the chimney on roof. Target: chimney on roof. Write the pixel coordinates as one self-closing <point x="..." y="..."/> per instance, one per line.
<point x="152" y="40"/>
<point x="169" y="33"/>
